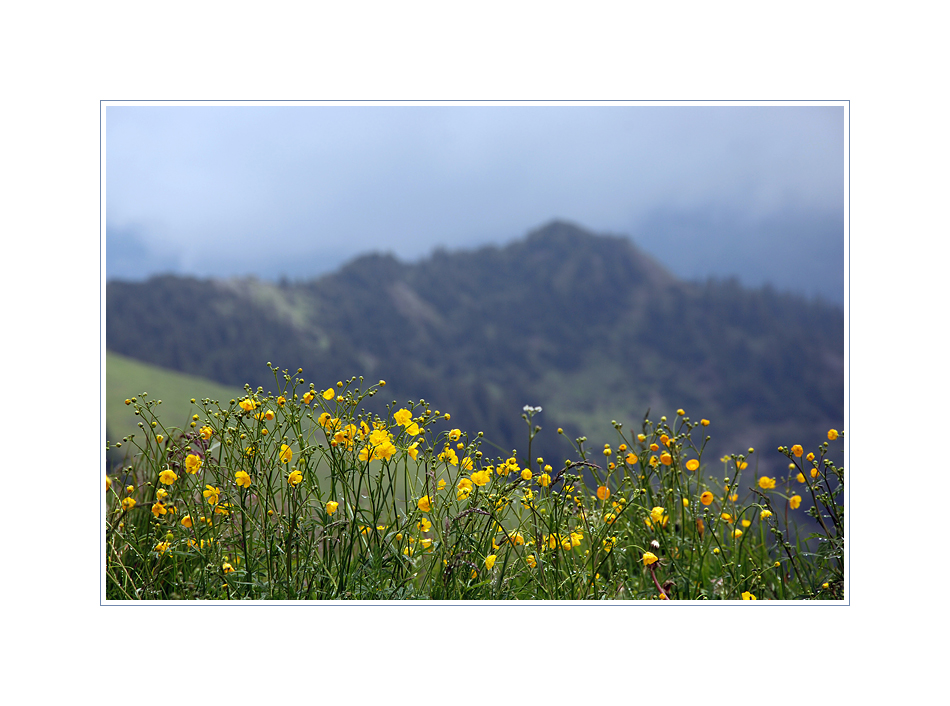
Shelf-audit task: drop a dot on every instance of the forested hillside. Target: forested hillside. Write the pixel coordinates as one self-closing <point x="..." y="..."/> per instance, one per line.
<point x="586" y="326"/>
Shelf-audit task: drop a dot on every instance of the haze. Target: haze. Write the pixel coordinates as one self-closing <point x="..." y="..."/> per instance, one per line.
<point x="295" y="191"/>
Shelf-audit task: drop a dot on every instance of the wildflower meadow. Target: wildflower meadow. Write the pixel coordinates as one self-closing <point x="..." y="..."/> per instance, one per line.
<point x="305" y="494"/>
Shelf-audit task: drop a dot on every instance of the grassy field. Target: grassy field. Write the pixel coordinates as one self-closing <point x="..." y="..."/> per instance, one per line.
<point x="126" y="378"/>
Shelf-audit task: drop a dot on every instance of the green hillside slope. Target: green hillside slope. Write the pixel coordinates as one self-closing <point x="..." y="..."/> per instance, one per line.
<point x="126" y="378"/>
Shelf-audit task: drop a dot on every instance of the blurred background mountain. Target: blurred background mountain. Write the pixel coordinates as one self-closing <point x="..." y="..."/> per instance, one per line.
<point x="589" y="327"/>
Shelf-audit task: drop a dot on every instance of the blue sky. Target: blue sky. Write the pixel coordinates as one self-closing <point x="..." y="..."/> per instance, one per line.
<point x="755" y="192"/>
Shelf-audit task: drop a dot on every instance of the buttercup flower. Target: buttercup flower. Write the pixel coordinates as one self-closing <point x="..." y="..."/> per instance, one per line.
<point x="212" y="494"/>
<point x="227" y="568"/>
<point x="649" y="558"/>
<point x="481" y="478"/>
<point x="832" y="434"/>
<point x="186" y="521"/>
<point x="692" y="464"/>
<point x="242" y="479"/>
<point x="192" y="463"/>
<point x="247" y="404"/>
<point x="798" y="450"/>
<point x="128" y="503"/>
<point x="449" y="456"/>
<point x="403" y="417"/>
<point x="765" y="514"/>
<point x="746" y="596"/>
<point x="706" y="498"/>
<point x="490" y="561"/>
<point x="308" y="398"/>
<point x="424" y="525"/>
<point x="666" y="459"/>
<point x="544" y="480"/>
<point x="295" y="477"/>
<point x="158" y="509"/>
<point x="281" y="401"/>
<point x="800" y="477"/>
<point x="526" y="474"/>
<point x="603" y="492"/>
<point x="795" y="501"/>
<point x="329" y="393"/>
<point x="466" y="464"/>
<point x="424" y="503"/>
<point x="464" y="489"/>
<point x="413" y="451"/>
<point x="332" y="505"/>
<point x="455" y="434"/>
<point x="532" y="562"/>
<point x="167" y="477"/>
<point x="657" y="514"/>
<point x="766" y="483"/>
<point x="206" y="432"/>
<point x="286" y="453"/>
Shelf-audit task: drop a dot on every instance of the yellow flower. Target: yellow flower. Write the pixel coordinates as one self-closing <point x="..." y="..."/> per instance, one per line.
<point x="329" y="393"/>
<point x="158" y="509"/>
<point x="281" y="401"/>
<point x="746" y="523"/>
<point x="765" y="514"/>
<point x="192" y="463"/>
<point x="449" y="456"/>
<point x="654" y="447"/>
<point x="490" y="561"/>
<point x="631" y="458"/>
<point x="159" y="438"/>
<point x="248" y="405"/>
<point x="295" y="477"/>
<point x="742" y="465"/>
<point x="746" y="596"/>
<point x="814" y="472"/>
<point x="128" y="503"/>
<point x="692" y="464"/>
<point x="286" y="453"/>
<point x="464" y="489"/>
<point x="161" y="494"/>
<point x="413" y="429"/>
<point x="766" y="483"/>
<point x="609" y="543"/>
<point x="657" y="514"/>
<point x="403" y="417"/>
<point x="167" y="477"/>
<point x="603" y="492"/>
<point x="424" y="525"/>
<point x="649" y="558"/>
<point x="832" y="434"/>
<point x="227" y="568"/>
<point x="526" y="474"/>
<point x="800" y="477"/>
<point x="737" y="533"/>
<point x="242" y="479"/>
<point x="481" y="478"/>
<point x="798" y="450"/>
<point x="706" y="498"/>
<point x="455" y="434"/>
<point x="424" y="504"/>
<point x="704" y="422"/>
<point x="795" y="501"/>
<point x="108" y="484"/>
<point x="685" y="502"/>
<point x="161" y="547"/>
<point x="222" y="509"/>
<point x="532" y="562"/>
<point x="186" y="521"/>
<point x="544" y="480"/>
<point x="680" y="412"/>
<point x="466" y="464"/>
<point x="413" y="451"/>
<point x="308" y="398"/>
<point x="810" y="457"/>
<point x="332" y="505"/>
<point x="212" y="494"/>
<point x="727" y="517"/>
<point x="206" y="432"/>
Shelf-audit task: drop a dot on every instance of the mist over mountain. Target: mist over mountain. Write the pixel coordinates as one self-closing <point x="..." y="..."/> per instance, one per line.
<point x="586" y="326"/>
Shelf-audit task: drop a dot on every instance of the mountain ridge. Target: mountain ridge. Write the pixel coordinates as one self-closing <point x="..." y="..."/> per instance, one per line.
<point x="586" y="325"/>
